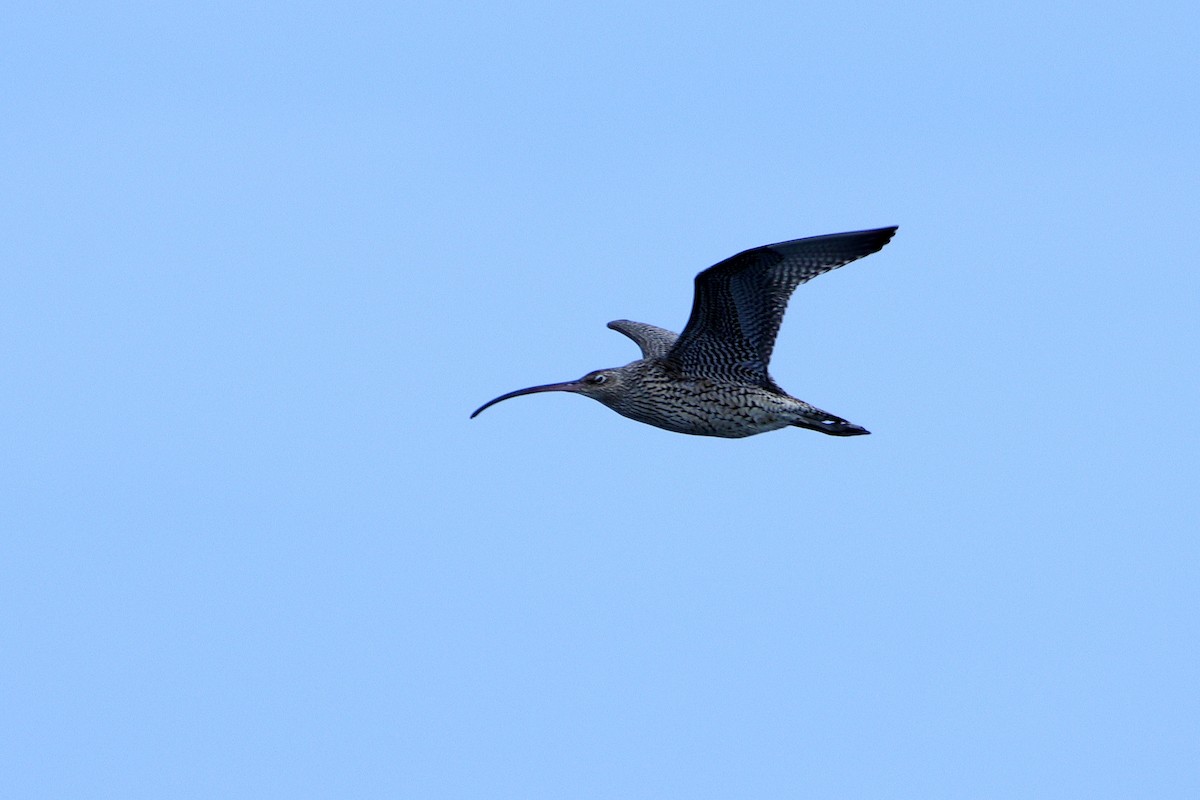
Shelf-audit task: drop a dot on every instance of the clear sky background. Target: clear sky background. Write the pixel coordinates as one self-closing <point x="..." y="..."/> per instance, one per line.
<point x="260" y="262"/>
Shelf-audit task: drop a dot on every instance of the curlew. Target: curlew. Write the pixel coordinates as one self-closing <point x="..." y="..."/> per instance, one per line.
<point x="712" y="379"/>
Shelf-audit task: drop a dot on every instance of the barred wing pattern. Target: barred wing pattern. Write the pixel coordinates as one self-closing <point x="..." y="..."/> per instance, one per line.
<point x="739" y="303"/>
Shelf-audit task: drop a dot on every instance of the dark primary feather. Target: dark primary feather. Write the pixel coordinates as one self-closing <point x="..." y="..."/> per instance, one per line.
<point x="739" y="303"/>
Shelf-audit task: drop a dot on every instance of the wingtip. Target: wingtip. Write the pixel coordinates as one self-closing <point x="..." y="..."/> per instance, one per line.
<point x="856" y="243"/>
<point x="876" y="238"/>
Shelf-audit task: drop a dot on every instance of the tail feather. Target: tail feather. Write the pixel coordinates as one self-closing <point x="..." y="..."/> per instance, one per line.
<point x="829" y="424"/>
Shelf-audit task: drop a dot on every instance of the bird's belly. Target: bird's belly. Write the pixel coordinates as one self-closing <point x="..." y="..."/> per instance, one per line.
<point x="731" y="417"/>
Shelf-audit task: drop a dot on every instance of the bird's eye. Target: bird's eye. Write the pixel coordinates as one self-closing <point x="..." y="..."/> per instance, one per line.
<point x="598" y="379"/>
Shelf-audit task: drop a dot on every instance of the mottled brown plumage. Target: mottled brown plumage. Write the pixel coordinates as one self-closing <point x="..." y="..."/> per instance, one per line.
<point x="712" y="379"/>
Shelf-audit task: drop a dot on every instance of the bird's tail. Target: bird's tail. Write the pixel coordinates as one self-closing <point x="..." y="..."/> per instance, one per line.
<point x="828" y="423"/>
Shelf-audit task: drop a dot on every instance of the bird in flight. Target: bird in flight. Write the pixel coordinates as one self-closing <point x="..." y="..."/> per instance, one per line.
<point x="712" y="379"/>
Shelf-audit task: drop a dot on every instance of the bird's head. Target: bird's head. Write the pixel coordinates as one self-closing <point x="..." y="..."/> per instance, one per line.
<point x="605" y="385"/>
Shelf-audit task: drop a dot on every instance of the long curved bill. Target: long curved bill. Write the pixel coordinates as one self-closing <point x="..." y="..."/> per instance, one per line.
<point x="569" y="386"/>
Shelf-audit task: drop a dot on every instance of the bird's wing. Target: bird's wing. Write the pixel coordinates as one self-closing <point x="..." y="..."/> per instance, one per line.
<point x="654" y="341"/>
<point x="739" y="303"/>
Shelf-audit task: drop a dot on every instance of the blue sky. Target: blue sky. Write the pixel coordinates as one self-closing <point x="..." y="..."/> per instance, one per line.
<point x="262" y="260"/>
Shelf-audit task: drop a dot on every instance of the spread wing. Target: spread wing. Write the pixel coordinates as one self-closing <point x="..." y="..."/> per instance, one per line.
<point x="739" y="303"/>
